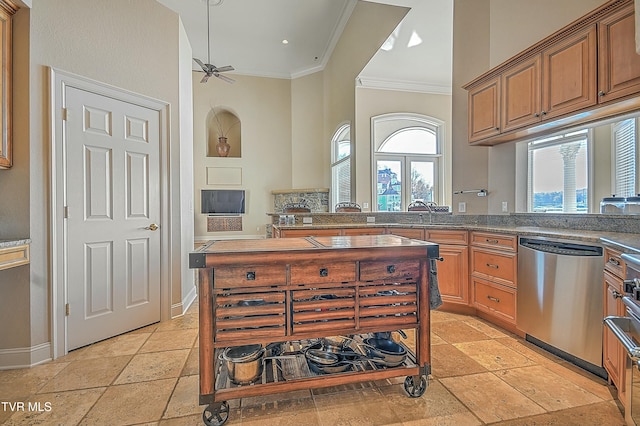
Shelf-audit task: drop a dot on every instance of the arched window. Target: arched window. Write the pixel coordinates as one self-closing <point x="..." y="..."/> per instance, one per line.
<point x="407" y="160"/>
<point x="341" y="165"/>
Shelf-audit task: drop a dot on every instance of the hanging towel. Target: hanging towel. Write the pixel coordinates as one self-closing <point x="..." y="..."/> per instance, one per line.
<point x="435" y="300"/>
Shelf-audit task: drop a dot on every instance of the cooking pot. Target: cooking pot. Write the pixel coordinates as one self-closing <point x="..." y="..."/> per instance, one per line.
<point x="244" y="363"/>
<point x="385" y="352"/>
<point x="321" y="357"/>
<point x="335" y="343"/>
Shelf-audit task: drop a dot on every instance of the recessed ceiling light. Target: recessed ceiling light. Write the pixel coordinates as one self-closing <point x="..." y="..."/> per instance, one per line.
<point x="285" y="41"/>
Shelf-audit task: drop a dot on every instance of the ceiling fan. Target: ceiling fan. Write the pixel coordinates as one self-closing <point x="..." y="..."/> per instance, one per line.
<point x="208" y="69"/>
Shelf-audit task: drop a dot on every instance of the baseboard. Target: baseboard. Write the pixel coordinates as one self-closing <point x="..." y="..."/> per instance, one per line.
<point x="25" y="357"/>
<point x="180" y="308"/>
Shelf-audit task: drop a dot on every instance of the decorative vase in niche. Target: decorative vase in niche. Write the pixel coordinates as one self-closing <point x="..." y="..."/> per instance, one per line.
<point x="222" y="147"/>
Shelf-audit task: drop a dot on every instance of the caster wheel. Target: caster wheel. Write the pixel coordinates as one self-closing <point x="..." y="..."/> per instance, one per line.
<point x="415" y="390"/>
<point x="216" y="414"/>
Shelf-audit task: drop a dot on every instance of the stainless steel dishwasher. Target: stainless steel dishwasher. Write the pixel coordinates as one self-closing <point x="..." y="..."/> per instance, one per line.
<point x="560" y="299"/>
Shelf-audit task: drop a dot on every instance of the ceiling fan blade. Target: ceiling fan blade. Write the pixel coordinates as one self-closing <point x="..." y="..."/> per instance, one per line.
<point x="225" y="78"/>
<point x="199" y="62"/>
<point x="205" y="78"/>
<point x="225" y="68"/>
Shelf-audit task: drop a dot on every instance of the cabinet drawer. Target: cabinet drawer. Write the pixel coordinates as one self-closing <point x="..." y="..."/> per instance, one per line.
<point x="249" y="315"/>
<point x="322" y="310"/>
<point x="323" y="273"/>
<point x="448" y="237"/>
<point x="494" y="265"/>
<point x="613" y="262"/>
<point x="249" y="276"/>
<point x="370" y="271"/>
<point x="364" y="231"/>
<point x="495" y="299"/>
<point x="388" y="305"/>
<point x="494" y="241"/>
<point x="414" y="233"/>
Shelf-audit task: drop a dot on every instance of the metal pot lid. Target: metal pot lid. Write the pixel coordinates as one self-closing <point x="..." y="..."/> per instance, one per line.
<point x="242" y="353"/>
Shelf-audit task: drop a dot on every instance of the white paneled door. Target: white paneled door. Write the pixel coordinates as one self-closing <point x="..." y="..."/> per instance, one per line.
<point x="112" y="216"/>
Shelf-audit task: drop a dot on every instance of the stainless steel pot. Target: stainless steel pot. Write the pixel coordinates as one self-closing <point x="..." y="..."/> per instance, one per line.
<point x="244" y="363"/>
<point x="385" y="352"/>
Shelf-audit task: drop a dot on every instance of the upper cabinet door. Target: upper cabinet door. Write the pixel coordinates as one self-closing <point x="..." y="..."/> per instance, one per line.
<point x="521" y="94"/>
<point x="569" y="78"/>
<point x="5" y="85"/>
<point x="484" y="114"/>
<point x="619" y="64"/>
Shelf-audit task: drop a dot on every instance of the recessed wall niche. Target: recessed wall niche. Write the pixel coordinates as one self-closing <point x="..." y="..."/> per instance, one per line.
<point x="222" y="123"/>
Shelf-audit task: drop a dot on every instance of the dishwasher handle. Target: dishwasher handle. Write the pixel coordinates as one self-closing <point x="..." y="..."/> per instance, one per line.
<point x="558" y="247"/>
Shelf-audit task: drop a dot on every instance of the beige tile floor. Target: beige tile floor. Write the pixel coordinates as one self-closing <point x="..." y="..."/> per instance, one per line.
<point x="481" y="375"/>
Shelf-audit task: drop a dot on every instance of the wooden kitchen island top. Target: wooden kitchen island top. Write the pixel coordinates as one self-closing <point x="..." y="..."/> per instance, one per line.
<point x="293" y="292"/>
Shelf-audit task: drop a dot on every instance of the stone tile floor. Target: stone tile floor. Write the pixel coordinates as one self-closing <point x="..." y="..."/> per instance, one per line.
<point x="481" y="375"/>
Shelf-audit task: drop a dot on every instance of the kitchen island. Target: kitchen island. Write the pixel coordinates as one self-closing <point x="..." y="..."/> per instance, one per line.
<point x="293" y="292"/>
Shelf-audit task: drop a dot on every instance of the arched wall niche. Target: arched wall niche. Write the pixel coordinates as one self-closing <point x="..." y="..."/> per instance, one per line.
<point x="222" y="122"/>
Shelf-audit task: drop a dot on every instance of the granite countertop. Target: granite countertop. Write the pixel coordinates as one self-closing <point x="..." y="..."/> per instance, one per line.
<point x="14" y="243"/>
<point x="621" y="241"/>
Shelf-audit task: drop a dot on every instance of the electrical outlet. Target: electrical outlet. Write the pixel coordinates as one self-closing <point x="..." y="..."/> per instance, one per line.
<point x="371" y="219"/>
<point x="505" y="207"/>
<point x="365" y="205"/>
<point x="307" y="220"/>
<point x="462" y="207"/>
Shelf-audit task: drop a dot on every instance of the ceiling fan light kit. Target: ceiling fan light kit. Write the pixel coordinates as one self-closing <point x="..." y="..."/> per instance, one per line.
<point x="209" y="69"/>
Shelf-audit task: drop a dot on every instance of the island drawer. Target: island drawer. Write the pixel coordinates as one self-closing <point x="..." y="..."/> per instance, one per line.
<point x="323" y="309"/>
<point x="249" y="315"/>
<point x="494" y="241"/>
<point x="249" y="276"/>
<point x="448" y="237"/>
<point x="376" y="270"/>
<point x="330" y="272"/>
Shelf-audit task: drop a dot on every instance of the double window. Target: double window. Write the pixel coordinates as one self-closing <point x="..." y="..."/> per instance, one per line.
<point x="407" y="160"/>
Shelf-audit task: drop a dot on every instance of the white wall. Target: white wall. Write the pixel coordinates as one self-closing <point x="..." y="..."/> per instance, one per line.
<point x="264" y="107"/>
<point x="372" y="102"/>
<point x="130" y="44"/>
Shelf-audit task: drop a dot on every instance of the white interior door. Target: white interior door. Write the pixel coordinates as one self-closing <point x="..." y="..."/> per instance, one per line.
<point x="112" y="246"/>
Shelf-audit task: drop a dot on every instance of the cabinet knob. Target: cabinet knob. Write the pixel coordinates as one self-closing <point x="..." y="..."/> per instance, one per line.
<point x="498" y="128"/>
<point x="251" y="276"/>
<point x="544" y="113"/>
<point x="324" y="272"/>
<point x="601" y="93"/>
<point x="391" y="269"/>
<point x="536" y="115"/>
<point x="616" y="294"/>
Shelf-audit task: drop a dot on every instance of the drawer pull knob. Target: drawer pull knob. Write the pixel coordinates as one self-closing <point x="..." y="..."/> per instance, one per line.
<point x="492" y="241"/>
<point x="251" y="276"/>
<point x="324" y="272"/>
<point x="492" y="265"/>
<point x="391" y="269"/>
<point x="616" y="294"/>
<point x="614" y="261"/>
<point x="494" y="299"/>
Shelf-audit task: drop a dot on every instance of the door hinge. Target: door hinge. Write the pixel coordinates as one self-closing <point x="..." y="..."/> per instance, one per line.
<point x="66" y="212"/>
<point x="67" y="310"/>
<point x="65" y="114"/>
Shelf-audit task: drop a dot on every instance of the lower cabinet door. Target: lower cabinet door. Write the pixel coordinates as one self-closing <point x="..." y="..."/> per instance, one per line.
<point x="495" y="299"/>
<point x="453" y="274"/>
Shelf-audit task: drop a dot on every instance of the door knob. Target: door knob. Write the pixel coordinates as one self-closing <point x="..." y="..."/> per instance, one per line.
<point x="151" y="227"/>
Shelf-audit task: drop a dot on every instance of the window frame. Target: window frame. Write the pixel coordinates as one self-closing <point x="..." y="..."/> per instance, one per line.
<point x="411" y="121"/>
<point x="336" y="163"/>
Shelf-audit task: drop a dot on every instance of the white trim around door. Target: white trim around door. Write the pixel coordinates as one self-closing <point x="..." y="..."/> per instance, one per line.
<point x="59" y="81"/>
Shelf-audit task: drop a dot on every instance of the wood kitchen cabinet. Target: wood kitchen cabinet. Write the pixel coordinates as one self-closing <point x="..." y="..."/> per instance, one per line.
<point x="6" y="10"/>
<point x="494" y="264"/>
<point x="453" y="272"/>
<point x="484" y="110"/>
<point x="619" y="65"/>
<point x="613" y="353"/>
<point x="583" y="67"/>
